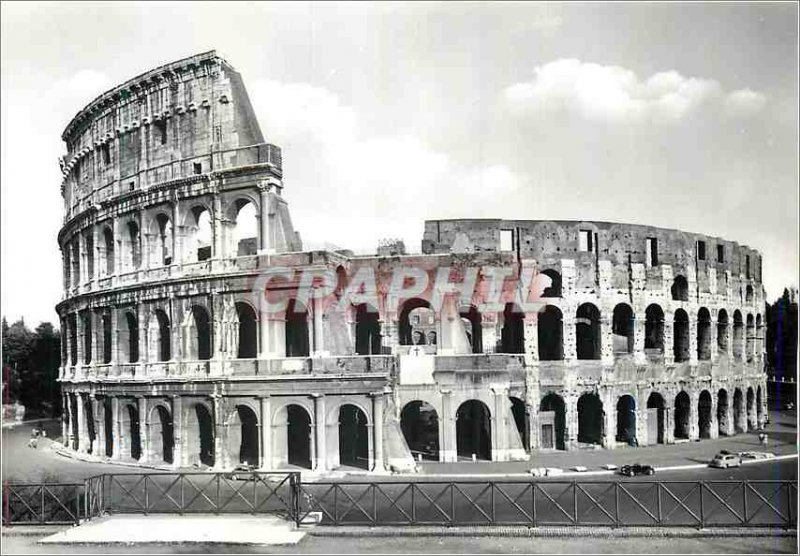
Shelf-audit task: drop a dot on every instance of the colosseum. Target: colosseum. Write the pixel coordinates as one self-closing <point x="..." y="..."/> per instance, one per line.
<point x="177" y="241"/>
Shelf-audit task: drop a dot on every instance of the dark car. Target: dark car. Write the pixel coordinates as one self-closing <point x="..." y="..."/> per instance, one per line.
<point x="242" y="472"/>
<point x="636" y="469"/>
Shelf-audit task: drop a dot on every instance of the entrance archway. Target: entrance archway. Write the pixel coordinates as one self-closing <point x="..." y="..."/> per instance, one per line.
<point x="200" y="435"/>
<point x="590" y="419"/>
<point x="130" y="426"/>
<point x="90" y="432"/>
<point x="108" y="421"/>
<point x="419" y="422"/>
<point x="512" y="335"/>
<point x="243" y="435"/>
<point x="474" y="430"/>
<point x="682" y="411"/>
<point x="552" y="422"/>
<point x="368" y="330"/>
<point x="722" y="412"/>
<point x="162" y="439"/>
<point x="704" y="414"/>
<point x="298" y="436"/>
<point x="752" y="422"/>
<point x="353" y="439"/>
<point x="626" y="420"/>
<point x="656" y="408"/>
<point x="739" y="423"/>
<point x="520" y="415"/>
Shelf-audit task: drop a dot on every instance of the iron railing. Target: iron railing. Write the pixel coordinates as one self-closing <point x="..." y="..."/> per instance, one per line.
<point x="555" y="503"/>
<point x="402" y="503"/>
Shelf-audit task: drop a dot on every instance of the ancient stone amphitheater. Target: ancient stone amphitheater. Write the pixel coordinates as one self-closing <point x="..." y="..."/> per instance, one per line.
<point x="177" y="240"/>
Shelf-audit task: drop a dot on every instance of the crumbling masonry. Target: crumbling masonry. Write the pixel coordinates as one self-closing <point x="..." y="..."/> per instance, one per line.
<point x="649" y="335"/>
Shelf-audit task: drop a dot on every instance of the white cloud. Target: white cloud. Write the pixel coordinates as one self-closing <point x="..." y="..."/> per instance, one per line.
<point x="614" y="94"/>
<point x="346" y="173"/>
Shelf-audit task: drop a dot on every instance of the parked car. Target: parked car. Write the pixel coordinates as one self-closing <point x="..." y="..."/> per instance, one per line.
<point x="242" y="472"/>
<point x="756" y="455"/>
<point x="723" y="461"/>
<point x="636" y="469"/>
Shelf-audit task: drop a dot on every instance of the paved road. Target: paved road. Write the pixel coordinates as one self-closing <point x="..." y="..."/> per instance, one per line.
<point x="444" y="545"/>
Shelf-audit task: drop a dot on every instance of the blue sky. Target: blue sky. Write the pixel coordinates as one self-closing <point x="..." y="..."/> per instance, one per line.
<point x="676" y="115"/>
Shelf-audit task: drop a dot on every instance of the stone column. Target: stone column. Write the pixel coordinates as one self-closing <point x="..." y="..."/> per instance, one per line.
<point x="177" y="234"/>
<point x="692" y="339"/>
<point x="449" y="442"/>
<point x="321" y="450"/>
<point x="609" y="422"/>
<point x="669" y="338"/>
<point x="116" y="430"/>
<point x="669" y="422"/>
<point x="531" y="325"/>
<point x="713" y="423"/>
<point x="217" y="224"/>
<point x="266" y="433"/>
<point x="639" y="355"/>
<point x="694" y="425"/>
<point x="500" y="424"/>
<point x="570" y="341"/>
<point x="144" y="429"/>
<point x="264" y="240"/>
<point x="570" y="420"/>
<point x="141" y="320"/>
<point x="219" y="431"/>
<point x="83" y="437"/>
<point x="377" y="432"/>
<point x="606" y="340"/>
<point x="65" y="424"/>
<point x="178" y="432"/>
<point x="712" y="338"/>
<point x="489" y="332"/>
<point x="99" y="448"/>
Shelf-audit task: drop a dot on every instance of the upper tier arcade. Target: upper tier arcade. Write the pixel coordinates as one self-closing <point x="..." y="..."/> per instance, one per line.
<point x="187" y="118"/>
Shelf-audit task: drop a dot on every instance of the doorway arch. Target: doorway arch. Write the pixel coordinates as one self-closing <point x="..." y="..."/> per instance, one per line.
<point x="474" y="430"/>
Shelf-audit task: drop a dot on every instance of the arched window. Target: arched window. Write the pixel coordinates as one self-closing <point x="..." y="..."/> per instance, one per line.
<point x="368" y="330"/>
<point x="554" y="289"/>
<point x="162" y="252"/>
<point x="162" y="331"/>
<point x="129" y="337"/>
<point x="512" y="338"/>
<point x="680" y="289"/>
<point x="87" y="338"/>
<point x="203" y="330"/>
<point x="419" y="423"/>
<point x="748" y="294"/>
<point x="133" y="247"/>
<point x="681" y="336"/>
<point x="472" y="326"/>
<point x="654" y="329"/>
<point x="738" y="334"/>
<point x="751" y="334"/>
<point x="248" y="331"/>
<point x="296" y="330"/>
<point x="108" y="242"/>
<point x="623" y="328"/>
<point x="550" y="334"/>
<point x="245" y="234"/>
<point x="722" y="331"/>
<point x="416" y="320"/>
<point x="198" y="235"/>
<point x="703" y="334"/>
<point x="587" y="332"/>
<point x="106" y="320"/>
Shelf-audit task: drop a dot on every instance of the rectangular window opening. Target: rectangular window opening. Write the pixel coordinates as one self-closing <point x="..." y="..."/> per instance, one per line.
<point x="701" y="250"/>
<point x="652" y="251"/>
<point x="585" y="240"/>
<point x="162" y="130"/>
<point x="198" y="168"/>
<point x="506" y="240"/>
<point x="747" y="265"/>
<point x="720" y="253"/>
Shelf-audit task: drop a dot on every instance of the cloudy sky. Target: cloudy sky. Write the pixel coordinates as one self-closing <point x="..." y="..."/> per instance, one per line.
<point x="676" y="115"/>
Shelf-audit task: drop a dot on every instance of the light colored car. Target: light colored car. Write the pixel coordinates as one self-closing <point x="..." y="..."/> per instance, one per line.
<point x="723" y="461"/>
<point x="756" y="455"/>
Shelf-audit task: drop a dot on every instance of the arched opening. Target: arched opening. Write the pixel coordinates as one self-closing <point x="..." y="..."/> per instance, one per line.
<point x="590" y="419"/>
<point x="130" y="424"/>
<point x="243" y="438"/>
<point x="353" y="439"/>
<point x="751" y="334"/>
<point x="73" y="404"/>
<point x="759" y="337"/>
<point x="419" y="422"/>
<point x="129" y="338"/>
<point x="416" y="320"/>
<point x="654" y="330"/>
<point x="162" y="250"/>
<point x="704" y="414"/>
<point x="681" y="336"/>
<point x="202" y="329"/>
<point x="656" y="423"/>
<point x="738" y="334"/>
<point x="200" y="436"/>
<point x="298" y="436"/>
<point x="682" y="412"/>
<point x="72" y="324"/>
<point x="759" y="406"/>
<point x="200" y="234"/>
<point x="587" y="332"/>
<point x="550" y="334"/>
<point x="76" y="263"/>
<point x="520" y="414"/>
<point x="752" y="422"/>
<point x="622" y="328"/>
<point x="108" y="244"/>
<point x="512" y="336"/>
<point x="626" y="420"/>
<point x="296" y="329"/>
<point x="474" y="430"/>
<point x="88" y="412"/>
<point x="739" y="424"/>
<point x="86" y="320"/>
<point x="106" y="322"/>
<point x="472" y="326"/>
<point x="552" y="423"/>
<point x="88" y="241"/>
<point x="248" y="331"/>
<point x="703" y="334"/>
<point x="748" y="294"/>
<point x="722" y="412"/>
<point x="133" y="246"/>
<point x="722" y="331"/>
<point x="161" y="332"/>
<point x="680" y="289"/>
<point x="245" y="234"/>
<point x="162" y="435"/>
<point x="554" y="289"/>
<point x="108" y="428"/>
<point x="368" y="330"/>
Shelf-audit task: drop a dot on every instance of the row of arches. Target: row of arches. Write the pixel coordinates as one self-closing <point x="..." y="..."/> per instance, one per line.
<point x="158" y="241"/>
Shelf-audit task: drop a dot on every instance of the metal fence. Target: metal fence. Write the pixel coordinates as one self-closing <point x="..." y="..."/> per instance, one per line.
<point x="402" y="503"/>
<point x="555" y="503"/>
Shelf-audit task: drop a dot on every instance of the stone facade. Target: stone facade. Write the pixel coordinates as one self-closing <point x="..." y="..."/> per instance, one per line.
<point x="171" y="359"/>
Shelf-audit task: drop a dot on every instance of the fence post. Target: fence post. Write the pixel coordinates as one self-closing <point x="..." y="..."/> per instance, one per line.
<point x="789" y="499"/>
<point x="452" y="504"/>
<point x="658" y="501"/>
<point x="491" y="496"/>
<point x="42" y="498"/>
<point x="744" y="503"/>
<point x="533" y="504"/>
<point x="616" y="503"/>
<point x="702" y="517"/>
<point x="146" y="499"/>
<point x="575" y="501"/>
<point x="217" y="503"/>
<point x="413" y="505"/>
